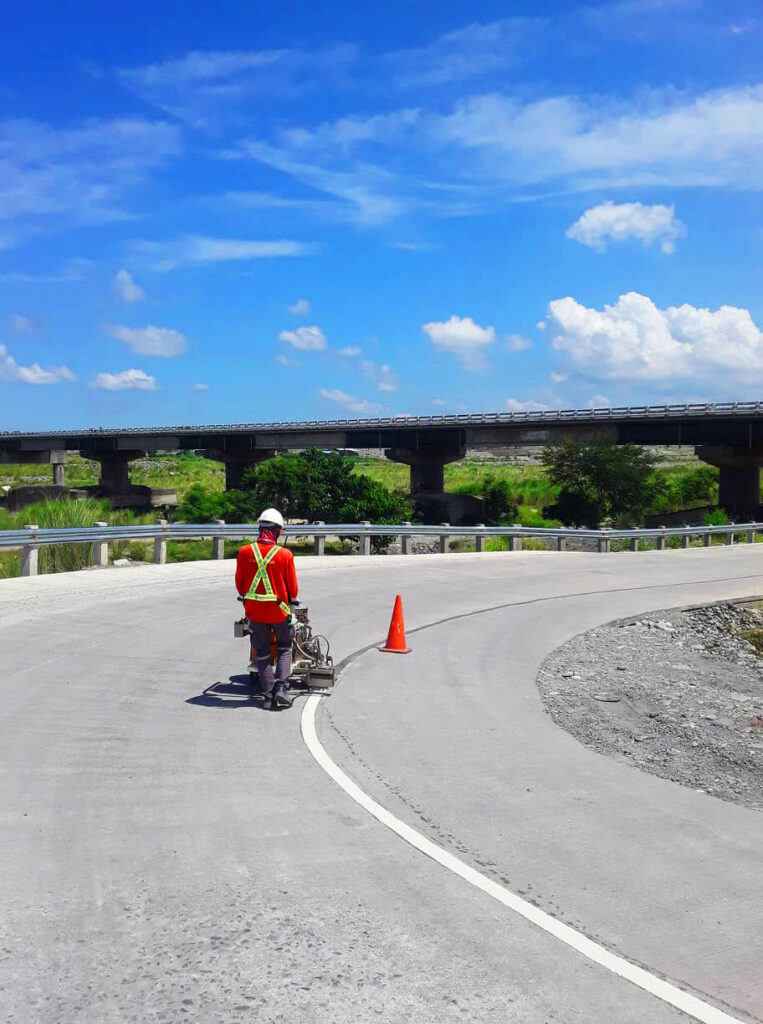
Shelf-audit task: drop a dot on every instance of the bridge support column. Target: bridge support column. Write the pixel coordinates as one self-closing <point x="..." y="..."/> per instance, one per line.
<point x="236" y="463"/>
<point x="428" y="479"/>
<point x="58" y="461"/>
<point x="739" y="483"/>
<point x="115" y="470"/>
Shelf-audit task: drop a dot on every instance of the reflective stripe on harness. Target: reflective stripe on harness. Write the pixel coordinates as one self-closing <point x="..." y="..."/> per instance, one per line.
<point x="261" y="576"/>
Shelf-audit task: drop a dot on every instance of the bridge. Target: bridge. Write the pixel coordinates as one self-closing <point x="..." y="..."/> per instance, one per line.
<point x="728" y="435"/>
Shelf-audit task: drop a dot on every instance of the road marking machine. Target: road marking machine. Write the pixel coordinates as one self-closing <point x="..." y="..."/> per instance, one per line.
<point x="312" y="667"/>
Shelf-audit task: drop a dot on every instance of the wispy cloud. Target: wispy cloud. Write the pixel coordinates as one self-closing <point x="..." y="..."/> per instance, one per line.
<point x="466" y="53"/>
<point x="127" y="380"/>
<point x="194" y="249"/>
<point x="150" y="341"/>
<point x="206" y="87"/>
<point x="516" y="343"/>
<point x="299" y="308"/>
<point x="383" y="376"/>
<point x="127" y="290"/>
<point x="21" y="324"/>
<point x="10" y="370"/>
<point x="349" y="402"/>
<point x="54" y="177"/>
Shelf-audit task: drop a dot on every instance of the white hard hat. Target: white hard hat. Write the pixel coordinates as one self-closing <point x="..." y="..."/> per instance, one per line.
<point x="271" y="515"/>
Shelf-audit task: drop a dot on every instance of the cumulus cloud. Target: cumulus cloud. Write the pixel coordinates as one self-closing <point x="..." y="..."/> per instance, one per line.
<point x="127" y="290"/>
<point x="618" y="222"/>
<point x="22" y="325"/>
<point x="462" y="337"/>
<point x="308" y="339"/>
<point x="516" y="343"/>
<point x="351" y="351"/>
<point x="513" y="405"/>
<point x="599" y="402"/>
<point x="541" y="325"/>
<point x="127" y="380"/>
<point x="34" y="374"/>
<point x="150" y="341"/>
<point x="634" y="339"/>
<point x="349" y="402"/>
<point x="300" y="308"/>
<point x="200" y="386"/>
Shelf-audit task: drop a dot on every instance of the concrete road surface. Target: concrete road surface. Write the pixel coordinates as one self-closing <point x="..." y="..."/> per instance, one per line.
<point x="171" y="852"/>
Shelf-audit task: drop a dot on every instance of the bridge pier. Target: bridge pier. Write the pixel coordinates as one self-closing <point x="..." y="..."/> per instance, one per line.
<point x="237" y="462"/>
<point x="739" y="482"/>
<point x="427" y="467"/>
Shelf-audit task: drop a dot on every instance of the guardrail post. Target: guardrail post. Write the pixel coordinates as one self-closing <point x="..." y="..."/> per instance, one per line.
<point x="730" y="537"/>
<point x="364" y="545"/>
<point x="30" y="554"/>
<point x="634" y="544"/>
<point x="479" y="538"/>
<point x="605" y="544"/>
<point x="319" y="543"/>
<point x="444" y="541"/>
<point x="515" y="541"/>
<point x="218" y="543"/>
<point x="750" y="536"/>
<point x="405" y="541"/>
<point x="160" y="544"/>
<point x="659" y="541"/>
<point x="561" y="543"/>
<point x="685" y="540"/>
<point x="707" y="539"/>
<point x="100" y="550"/>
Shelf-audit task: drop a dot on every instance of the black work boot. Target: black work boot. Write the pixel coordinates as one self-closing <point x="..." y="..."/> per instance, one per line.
<point x="281" y="698"/>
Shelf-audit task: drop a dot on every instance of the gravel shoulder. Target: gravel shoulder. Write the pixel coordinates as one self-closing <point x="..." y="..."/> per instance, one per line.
<point x="678" y="694"/>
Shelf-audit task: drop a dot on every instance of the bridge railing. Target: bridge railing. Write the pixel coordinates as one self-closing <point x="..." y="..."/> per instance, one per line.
<point x="31" y="538"/>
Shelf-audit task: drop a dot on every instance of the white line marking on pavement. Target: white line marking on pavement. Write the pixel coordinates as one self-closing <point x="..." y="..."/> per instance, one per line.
<point x="671" y="994"/>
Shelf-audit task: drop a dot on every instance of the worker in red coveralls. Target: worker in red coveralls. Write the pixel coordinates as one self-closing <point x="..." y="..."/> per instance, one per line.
<point x="267" y="580"/>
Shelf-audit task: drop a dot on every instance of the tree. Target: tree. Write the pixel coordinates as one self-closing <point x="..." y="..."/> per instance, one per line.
<point x="499" y="504"/>
<point x="602" y="480"/>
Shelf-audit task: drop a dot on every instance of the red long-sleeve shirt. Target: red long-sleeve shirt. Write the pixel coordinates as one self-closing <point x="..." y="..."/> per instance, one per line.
<point x="283" y="578"/>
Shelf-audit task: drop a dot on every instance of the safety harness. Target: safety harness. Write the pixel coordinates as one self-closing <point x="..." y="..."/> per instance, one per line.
<point x="261" y="576"/>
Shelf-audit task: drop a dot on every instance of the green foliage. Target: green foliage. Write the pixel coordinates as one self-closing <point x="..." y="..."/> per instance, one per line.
<point x="600" y="481"/>
<point x="499" y="504"/>
<point x="685" y="489"/>
<point x="718" y="517"/>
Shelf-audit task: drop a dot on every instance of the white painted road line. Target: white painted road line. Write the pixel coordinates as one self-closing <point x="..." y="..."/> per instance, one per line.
<point x="664" y="990"/>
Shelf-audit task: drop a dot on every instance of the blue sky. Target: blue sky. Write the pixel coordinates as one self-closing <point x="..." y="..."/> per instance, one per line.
<point x="243" y="211"/>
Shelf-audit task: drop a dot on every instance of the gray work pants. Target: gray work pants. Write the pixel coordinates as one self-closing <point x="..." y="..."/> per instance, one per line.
<point x="284" y="633"/>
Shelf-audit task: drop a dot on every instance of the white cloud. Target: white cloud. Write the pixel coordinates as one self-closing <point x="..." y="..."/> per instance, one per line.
<point x="285" y="361"/>
<point x="308" y="339"/>
<point x="541" y="325"/>
<point x="351" y="351"/>
<point x="127" y="289"/>
<point x="557" y="378"/>
<point x="127" y="380"/>
<point x="350" y="402"/>
<point x="300" y="308"/>
<point x="513" y="405"/>
<point x="599" y="402"/>
<point x="200" y="386"/>
<point x="34" y="374"/>
<point x="194" y="249"/>
<point x="208" y="86"/>
<point x="414" y="246"/>
<point x="516" y="343"/>
<point x="634" y="339"/>
<point x="21" y="325"/>
<point x="150" y="341"/>
<point x="57" y="177"/>
<point x="617" y="222"/>
<point x="383" y="376"/>
<point x="465" y="53"/>
<point x="463" y="338"/>
<point x="437" y="401"/>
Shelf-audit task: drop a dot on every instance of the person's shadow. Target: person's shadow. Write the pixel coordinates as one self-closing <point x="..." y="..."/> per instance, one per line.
<point x="238" y="692"/>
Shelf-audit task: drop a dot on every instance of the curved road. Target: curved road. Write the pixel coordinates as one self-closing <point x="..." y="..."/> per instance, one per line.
<point x="166" y="860"/>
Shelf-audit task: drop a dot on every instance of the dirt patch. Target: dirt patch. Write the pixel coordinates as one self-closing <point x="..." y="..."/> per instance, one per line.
<point x="678" y="694"/>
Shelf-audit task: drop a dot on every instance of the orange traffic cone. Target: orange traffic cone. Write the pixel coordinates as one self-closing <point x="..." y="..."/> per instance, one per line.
<point x="396" y="637"/>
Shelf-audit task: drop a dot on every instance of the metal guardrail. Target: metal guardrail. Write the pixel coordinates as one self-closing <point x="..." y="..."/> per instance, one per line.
<point x="692" y="410"/>
<point x="31" y="538"/>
